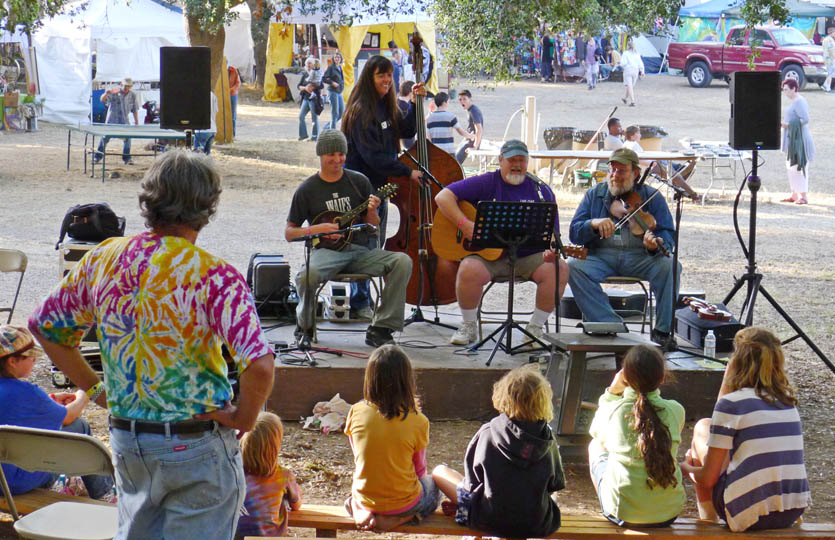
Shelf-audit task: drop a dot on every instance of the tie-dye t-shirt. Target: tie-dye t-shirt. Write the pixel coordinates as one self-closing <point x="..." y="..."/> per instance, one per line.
<point x="162" y="307"/>
<point x="267" y="500"/>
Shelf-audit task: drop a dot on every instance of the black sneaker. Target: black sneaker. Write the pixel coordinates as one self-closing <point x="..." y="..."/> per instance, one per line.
<point x="377" y="336"/>
<point x="663" y="339"/>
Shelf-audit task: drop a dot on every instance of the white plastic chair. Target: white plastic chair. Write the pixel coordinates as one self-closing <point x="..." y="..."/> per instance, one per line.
<point x="12" y="260"/>
<point x="58" y="452"/>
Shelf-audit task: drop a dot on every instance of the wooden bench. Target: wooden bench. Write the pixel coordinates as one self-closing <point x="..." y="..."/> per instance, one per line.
<point x="327" y="520"/>
<point x="38" y="498"/>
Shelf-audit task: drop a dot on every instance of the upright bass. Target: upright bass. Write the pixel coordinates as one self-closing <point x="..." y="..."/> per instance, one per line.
<point x="433" y="279"/>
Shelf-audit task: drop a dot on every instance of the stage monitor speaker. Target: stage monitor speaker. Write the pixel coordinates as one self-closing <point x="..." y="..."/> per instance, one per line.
<point x="755" y="110"/>
<point x="184" y="88"/>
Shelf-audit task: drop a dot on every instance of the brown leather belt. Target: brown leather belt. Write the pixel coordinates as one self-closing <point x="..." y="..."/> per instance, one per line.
<point x="174" y="428"/>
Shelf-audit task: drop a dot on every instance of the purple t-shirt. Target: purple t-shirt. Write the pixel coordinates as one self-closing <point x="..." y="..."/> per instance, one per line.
<point x="591" y="49"/>
<point x="491" y="187"/>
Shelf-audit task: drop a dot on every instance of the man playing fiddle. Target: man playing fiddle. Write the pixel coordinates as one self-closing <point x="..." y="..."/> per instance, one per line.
<point x="510" y="183"/>
<point x="617" y="251"/>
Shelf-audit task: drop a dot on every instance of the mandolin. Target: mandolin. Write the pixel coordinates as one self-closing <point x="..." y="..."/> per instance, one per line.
<point x="346" y="219"/>
<point x="707" y="311"/>
<point x="448" y="241"/>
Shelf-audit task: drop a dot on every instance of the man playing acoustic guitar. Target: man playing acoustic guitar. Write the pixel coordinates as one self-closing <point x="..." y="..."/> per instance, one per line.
<point x="332" y="193"/>
<point x="510" y="183"/>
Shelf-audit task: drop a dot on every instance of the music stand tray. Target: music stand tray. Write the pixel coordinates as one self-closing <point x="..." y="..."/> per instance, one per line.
<point x="510" y="226"/>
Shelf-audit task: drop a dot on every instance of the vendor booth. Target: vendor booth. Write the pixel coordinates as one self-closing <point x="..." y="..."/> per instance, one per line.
<point x="401" y="21"/>
<point x="125" y="38"/>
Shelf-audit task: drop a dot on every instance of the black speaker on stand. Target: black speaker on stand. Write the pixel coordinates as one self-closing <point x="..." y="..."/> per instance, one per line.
<point x="755" y="125"/>
<point x="185" y="85"/>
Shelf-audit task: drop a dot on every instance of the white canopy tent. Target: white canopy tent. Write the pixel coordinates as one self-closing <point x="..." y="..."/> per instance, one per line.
<point x="239" y="48"/>
<point x="126" y="38"/>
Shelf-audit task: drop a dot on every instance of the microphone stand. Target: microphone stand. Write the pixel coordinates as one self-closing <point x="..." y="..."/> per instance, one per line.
<point x="304" y="344"/>
<point x="423" y="254"/>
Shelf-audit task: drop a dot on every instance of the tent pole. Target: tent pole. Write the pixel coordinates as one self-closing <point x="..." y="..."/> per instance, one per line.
<point x="665" y="59"/>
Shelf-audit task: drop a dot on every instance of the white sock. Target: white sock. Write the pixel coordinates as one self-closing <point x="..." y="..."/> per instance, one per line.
<point x="469" y="315"/>
<point x="539" y="317"/>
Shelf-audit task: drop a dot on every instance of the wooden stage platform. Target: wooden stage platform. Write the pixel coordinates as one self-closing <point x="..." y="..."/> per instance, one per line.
<point x="454" y="383"/>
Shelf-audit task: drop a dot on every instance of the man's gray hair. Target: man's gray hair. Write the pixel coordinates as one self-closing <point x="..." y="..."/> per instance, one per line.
<point x="180" y="188"/>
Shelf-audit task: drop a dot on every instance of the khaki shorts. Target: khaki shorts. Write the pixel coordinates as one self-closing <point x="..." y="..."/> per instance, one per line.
<point x="500" y="271"/>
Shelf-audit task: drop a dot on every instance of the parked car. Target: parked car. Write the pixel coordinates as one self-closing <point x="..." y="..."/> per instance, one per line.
<point x="781" y="49"/>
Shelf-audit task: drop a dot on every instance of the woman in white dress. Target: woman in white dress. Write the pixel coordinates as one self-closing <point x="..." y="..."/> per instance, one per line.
<point x="797" y="142"/>
<point x="633" y="69"/>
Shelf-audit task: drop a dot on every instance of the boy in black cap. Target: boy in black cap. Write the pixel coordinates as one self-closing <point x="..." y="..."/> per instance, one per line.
<point x="335" y="188"/>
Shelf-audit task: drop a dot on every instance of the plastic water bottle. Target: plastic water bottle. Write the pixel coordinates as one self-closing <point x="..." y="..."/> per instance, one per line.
<point x="710" y="344"/>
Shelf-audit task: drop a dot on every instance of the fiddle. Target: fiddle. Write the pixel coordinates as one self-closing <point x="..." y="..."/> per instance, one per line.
<point x="627" y="208"/>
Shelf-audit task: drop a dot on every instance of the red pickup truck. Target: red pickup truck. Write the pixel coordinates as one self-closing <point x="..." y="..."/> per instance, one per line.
<point x="782" y="49"/>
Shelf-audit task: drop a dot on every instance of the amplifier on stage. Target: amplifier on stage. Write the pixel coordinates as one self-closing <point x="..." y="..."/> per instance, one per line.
<point x="268" y="276"/>
<point x="693" y="329"/>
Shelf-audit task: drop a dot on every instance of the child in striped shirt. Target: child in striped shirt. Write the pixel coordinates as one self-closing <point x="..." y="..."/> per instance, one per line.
<point x="747" y="461"/>
<point x="270" y="488"/>
<point x="440" y="124"/>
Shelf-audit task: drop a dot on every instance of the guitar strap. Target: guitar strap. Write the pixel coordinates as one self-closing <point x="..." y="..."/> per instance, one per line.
<point x="353" y="185"/>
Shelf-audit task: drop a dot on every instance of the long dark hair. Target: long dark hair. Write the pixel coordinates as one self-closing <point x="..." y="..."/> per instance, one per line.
<point x="362" y="103"/>
<point x="643" y="369"/>
<point x="390" y="382"/>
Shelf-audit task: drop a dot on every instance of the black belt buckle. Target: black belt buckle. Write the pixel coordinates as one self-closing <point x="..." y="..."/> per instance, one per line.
<point x="159" y="428"/>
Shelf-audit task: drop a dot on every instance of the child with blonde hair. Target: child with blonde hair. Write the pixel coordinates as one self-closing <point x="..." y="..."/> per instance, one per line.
<point x="271" y="490"/>
<point x="512" y="467"/>
<point x="635" y="437"/>
<point x="747" y="460"/>
<point x="388" y="436"/>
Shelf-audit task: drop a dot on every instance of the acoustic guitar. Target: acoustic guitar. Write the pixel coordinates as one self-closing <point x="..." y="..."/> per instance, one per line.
<point x="448" y="240"/>
<point x="346" y="219"/>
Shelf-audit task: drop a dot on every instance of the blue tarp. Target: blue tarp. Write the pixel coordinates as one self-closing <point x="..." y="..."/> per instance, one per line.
<point x="715" y="8"/>
<point x="709" y="10"/>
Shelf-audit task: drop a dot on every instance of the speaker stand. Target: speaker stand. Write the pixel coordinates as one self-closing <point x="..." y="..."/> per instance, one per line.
<point x="754" y="279"/>
<point x="189" y="139"/>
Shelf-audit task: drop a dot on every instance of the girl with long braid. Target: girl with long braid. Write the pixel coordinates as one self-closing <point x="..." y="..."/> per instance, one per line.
<point x="635" y="437"/>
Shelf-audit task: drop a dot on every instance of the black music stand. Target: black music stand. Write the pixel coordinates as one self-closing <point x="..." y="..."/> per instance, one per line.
<point x="511" y="225"/>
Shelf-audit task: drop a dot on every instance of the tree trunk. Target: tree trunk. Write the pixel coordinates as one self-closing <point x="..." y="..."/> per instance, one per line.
<point x="197" y="37"/>
<point x="260" y="28"/>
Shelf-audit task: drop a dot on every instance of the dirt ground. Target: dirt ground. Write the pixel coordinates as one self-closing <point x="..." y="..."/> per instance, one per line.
<point x="264" y="165"/>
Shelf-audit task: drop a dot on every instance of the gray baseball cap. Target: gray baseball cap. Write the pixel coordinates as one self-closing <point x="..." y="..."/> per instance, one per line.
<point x="513" y="148"/>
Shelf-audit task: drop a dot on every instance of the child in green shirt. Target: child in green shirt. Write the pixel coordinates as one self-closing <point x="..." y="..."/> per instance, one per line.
<point x="635" y="437"/>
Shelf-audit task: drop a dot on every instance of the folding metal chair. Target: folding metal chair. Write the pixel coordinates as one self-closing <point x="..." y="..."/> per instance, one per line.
<point x="58" y="452"/>
<point x="12" y="260"/>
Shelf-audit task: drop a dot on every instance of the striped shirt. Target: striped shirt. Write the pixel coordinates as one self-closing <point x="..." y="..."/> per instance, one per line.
<point x="439" y="125"/>
<point x="766" y="472"/>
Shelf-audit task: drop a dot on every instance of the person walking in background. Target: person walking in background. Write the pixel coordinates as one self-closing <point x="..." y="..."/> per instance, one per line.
<point x="590" y="63"/>
<point x="121" y="102"/>
<point x="334" y="81"/>
<point x="828" y="44"/>
<point x="234" y="87"/>
<point x="399" y="59"/>
<point x="388" y="436"/>
<point x="633" y="69"/>
<point x="441" y="122"/>
<point x="404" y="101"/>
<point x="635" y="437"/>
<point x="747" y="461"/>
<point x="546" y="67"/>
<point x="203" y="138"/>
<point x="475" y="125"/>
<point x="308" y="87"/>
<point x="797" y="142"/>
<point x="162" y="308"/>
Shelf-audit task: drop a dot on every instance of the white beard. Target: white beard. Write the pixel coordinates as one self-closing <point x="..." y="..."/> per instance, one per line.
<point x="617" y="191"/>
<point x="515" y="178"/>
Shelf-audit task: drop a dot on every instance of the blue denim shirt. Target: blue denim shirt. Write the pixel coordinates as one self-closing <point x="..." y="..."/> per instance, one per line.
<point x="596" y="203"/>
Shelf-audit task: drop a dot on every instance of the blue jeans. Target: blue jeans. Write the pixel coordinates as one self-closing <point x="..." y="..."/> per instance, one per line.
<point x="398" y="74"/>
<point x="545" y="68"/>
<point x="233" y="100"/>
<point x="361" y="290"/>
<point x="103" y="144"/>
<point x="203" y="141"/>
<point x="97" y="485"/>
<point x="586" y="276"/>
<point x="308" y="106"/>
<point x="337" y="108"/>
<point x="182" y="486"/>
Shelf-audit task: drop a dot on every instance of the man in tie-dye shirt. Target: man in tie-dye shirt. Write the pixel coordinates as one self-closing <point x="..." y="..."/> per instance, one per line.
<point x="162" y="308"/>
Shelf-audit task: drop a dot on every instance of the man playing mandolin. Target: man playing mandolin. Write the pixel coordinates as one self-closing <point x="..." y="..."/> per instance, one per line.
<point x="510" y="183"/>
<point x="327" y="196"/>
<point x="632" y="250"/>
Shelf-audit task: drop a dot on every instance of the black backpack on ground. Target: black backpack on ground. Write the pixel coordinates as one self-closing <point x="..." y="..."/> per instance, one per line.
<point x="91" y="223"/>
